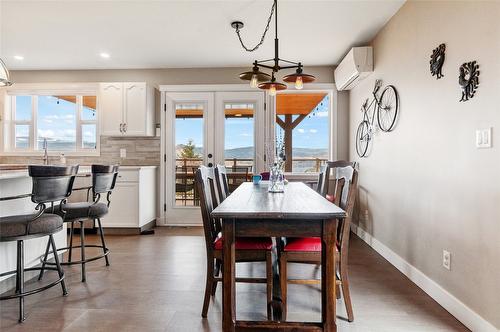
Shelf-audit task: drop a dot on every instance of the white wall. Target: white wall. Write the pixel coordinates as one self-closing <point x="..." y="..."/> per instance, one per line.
<point x="425" y="185"/>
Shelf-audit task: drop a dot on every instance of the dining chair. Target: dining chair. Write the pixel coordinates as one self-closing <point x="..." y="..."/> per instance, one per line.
<point x="247" y="249"/>
<point x="308" y="249"/>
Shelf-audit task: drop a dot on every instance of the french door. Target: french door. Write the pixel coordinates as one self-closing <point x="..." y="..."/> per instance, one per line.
<point x="209" y="128"/>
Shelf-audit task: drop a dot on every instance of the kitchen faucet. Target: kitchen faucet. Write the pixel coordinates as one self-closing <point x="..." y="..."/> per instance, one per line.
<point x="45" y="153"/>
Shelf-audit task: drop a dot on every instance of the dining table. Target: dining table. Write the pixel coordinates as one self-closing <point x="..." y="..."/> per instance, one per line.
<point x="298" y="211"/>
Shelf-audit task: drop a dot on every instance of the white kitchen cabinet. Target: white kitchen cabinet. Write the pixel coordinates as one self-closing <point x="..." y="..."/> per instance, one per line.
<point x="133" y="201"/>
<point x="127" y="109"/>
<point x="111" y="108"/>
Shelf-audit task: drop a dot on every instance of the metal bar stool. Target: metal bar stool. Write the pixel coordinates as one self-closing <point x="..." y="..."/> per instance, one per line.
<point x="50" y="184"/>
<point x="103" y="182"/>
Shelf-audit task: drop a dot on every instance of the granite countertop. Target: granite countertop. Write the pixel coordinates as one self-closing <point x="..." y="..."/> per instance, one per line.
<point x="10" y="171"/>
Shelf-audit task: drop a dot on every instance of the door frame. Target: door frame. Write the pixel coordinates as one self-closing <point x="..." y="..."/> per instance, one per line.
<point x="164" y="89"/>
<point x="269" y="108"/>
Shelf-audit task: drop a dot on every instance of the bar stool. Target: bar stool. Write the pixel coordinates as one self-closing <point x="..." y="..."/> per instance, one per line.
<point x="103" y="182"/>
<point x="50" y="184"/>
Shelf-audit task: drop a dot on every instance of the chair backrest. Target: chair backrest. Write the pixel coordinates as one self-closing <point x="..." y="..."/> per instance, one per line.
<point x="221" y="182"/>
<point x="104" y="178"/>
<point x="208" y="201"/>
<point x="346" y="183"/>
<point x="331" y="166"/>
<point x="51" y="183"/>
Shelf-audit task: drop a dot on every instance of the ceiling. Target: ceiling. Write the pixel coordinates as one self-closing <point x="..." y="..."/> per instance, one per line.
<point x="70" y="34"/>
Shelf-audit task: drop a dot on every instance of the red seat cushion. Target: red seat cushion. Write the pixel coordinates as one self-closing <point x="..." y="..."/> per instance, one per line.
<point x="248" y="243"/>
<point x="304" y="244"/>
<point x="331" y="198"/>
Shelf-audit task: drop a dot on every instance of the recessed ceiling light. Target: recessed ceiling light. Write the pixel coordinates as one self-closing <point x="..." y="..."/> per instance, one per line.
<point x="105" y="55"/>
<point x="18" y="57"/>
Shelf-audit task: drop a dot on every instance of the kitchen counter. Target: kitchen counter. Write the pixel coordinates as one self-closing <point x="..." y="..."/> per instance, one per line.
<point x="10" y="171"/>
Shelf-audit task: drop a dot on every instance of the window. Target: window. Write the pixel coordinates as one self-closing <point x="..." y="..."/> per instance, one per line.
<point x="239" y="136"/>
<point x="303" y="121"/>
<point x="69" y="123"/>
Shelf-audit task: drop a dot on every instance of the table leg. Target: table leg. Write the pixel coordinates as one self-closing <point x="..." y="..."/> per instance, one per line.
<point x="328" y="289"/>
<point x="228" y="277"/>
<point x="276" y="303"/>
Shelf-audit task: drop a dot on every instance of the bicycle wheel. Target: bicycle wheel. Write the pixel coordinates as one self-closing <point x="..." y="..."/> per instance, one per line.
<point x="363" y="138"/>
<point x="388" y="107"/>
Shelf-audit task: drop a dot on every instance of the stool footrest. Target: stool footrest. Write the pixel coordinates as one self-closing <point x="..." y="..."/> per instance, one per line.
<point x="80" y="261"/>
<point x="33" y="291"/>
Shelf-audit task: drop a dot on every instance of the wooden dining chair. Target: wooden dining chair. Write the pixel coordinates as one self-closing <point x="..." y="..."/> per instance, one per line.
<point x="308" y="250"/>
<point x="247" y="249"/>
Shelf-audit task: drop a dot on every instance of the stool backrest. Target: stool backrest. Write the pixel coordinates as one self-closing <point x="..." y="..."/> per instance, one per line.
<point x="51" y="183"/>
<point x="104" y="178"/>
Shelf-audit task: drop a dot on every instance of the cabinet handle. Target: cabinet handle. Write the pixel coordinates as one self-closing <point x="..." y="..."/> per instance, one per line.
<point x="121" y="127"/>
<point x="125" y="127"/>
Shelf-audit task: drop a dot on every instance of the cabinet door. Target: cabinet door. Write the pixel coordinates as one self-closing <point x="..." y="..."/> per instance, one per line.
<point x="111" y="106"/>
<point x="124" y="208"/>
<point x="135" y="109"/>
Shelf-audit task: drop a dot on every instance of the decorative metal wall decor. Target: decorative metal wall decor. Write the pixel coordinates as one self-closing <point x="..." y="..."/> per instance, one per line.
<point x="437" y="60"/>
<point x="468" y="79"/>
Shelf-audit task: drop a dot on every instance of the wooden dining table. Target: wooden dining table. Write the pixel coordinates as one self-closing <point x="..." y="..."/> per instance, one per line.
<point x="251" y="211"/>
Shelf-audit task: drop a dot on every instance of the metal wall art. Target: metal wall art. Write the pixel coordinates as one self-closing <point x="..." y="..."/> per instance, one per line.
<point x="468" y="79"/>
<point x="437" y="60"/>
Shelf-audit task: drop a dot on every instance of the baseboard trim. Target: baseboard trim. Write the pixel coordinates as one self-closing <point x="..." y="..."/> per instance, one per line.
<point x="453" y="305"/>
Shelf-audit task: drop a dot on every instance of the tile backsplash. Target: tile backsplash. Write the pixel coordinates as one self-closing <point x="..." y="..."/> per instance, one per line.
<point x="140" y="151"/>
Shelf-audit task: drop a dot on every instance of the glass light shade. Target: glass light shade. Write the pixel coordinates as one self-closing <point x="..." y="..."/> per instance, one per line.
<point x="272" y="90"/>
<point x="4" y="75"/>
<point x="254" y="82"/>
<point x="299" y="84"/>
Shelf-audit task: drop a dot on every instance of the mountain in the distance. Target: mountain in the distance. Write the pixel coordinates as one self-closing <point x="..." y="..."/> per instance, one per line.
<point x="247" y="152"/>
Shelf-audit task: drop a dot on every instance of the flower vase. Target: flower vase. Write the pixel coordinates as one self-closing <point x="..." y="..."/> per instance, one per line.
<point x="276" y="181"/>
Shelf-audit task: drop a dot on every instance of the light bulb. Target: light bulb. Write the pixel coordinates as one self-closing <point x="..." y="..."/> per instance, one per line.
<point x="298" y="83"/>
<point x="254" y="81"/>
<point x="272" y="90"/>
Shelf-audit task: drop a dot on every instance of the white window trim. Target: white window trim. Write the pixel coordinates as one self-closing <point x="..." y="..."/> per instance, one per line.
<point x="7" y="129"/>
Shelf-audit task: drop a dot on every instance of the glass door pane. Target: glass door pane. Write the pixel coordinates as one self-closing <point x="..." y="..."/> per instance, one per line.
<point x="239" y="142"/>
<point x="189" y="133"/>
<point x="189" y="130"/>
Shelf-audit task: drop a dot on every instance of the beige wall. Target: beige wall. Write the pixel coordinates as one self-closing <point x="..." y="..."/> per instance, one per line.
<point x="425" y="185"/>
<point x="324" y="74"/>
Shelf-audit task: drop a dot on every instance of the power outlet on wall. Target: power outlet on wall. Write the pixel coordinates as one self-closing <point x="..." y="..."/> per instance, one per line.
<point x="446" y="260"/>
<point x="123" y="153"/>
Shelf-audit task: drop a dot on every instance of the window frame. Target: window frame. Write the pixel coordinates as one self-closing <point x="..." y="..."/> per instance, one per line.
<point x="79" y="90"/>
<point x="331" y="91"/>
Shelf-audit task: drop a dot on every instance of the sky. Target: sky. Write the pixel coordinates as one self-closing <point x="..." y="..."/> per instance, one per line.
<point x="312" y="132"/>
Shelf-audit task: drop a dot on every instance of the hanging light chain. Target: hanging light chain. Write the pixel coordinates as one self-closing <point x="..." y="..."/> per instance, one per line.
<point x="263" y="35"/>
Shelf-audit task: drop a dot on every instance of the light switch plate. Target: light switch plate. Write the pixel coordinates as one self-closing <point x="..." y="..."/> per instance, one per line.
<point x="123" y="153"/>
<point x="483" y="138"/>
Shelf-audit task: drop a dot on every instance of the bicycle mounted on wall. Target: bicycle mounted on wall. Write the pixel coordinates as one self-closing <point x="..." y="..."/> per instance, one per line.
<point x="386" y="108"/>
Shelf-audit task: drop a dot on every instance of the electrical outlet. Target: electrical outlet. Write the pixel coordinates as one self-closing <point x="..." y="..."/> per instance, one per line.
<point x="446" y="260"/>
<point x="123" y="153"/>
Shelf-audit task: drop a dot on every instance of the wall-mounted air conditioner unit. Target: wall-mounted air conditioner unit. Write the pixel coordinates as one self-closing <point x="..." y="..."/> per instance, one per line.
<point x="356" y="65"/>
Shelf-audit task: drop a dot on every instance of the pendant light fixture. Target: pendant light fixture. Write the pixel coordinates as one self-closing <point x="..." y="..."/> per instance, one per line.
<point x="268" y="82"/>
<point x="4" y="75"/>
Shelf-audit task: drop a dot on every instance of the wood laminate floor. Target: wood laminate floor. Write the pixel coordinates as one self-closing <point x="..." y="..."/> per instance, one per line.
<point x="156" y="283"/>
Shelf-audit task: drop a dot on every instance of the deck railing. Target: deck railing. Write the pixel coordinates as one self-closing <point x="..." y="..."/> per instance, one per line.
<point x="299" y="164"/>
